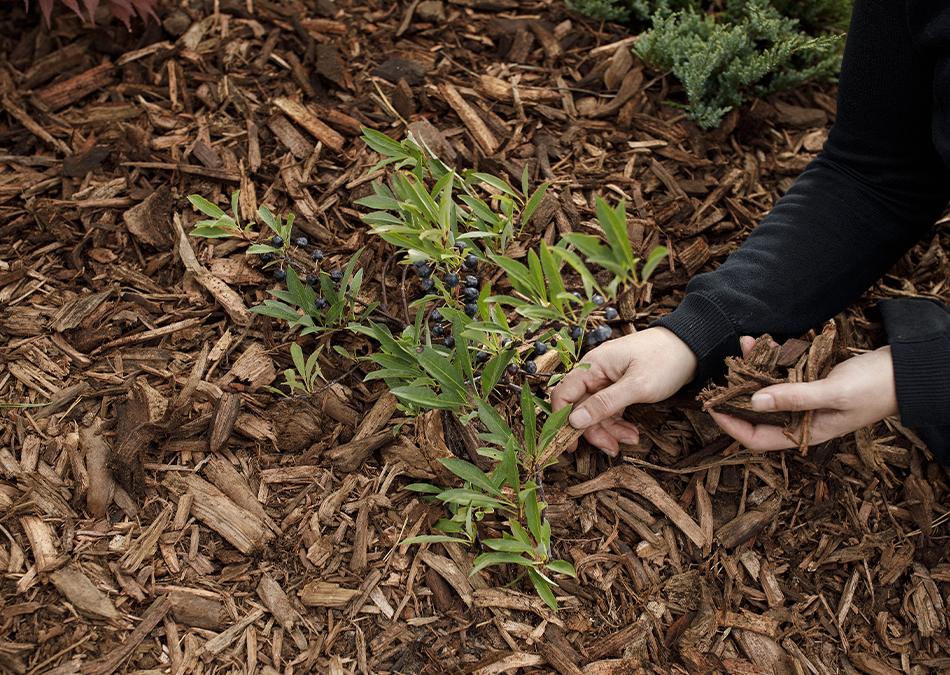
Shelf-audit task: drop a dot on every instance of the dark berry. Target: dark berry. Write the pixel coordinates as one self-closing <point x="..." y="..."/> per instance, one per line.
<point x="603" y="332"/>
<point x="336" y="276"/>
<point x="438" y="330"/>
<point x="505" y="343"/>
<point x="312" y="279"/>
<point x="610" y="314"/>
<point x="449" y="342"/>
<point x="266" y="257"/>
<point x="471" y="282"/>
<point x="424" y="271"/>
<point x="436" y="316"/>
<point x="280" y="275"/>
<point x="461" y="245"/>
<point x="576" y="332"/>
<point x="471" y="262"/>
<point x="451" y="280"/>
<point x="301" y="241"/>
<point x="481" y="357"/>
<point x="598" y="300"/>
<point x="470" y="294"/>
<point x="276" y="241"/>
<point x="317" y="255"/>
<point x="428" y="284"/>
<point x="530" y="367"/>
<point x="540" y="348"/>
<point x="511" y="369"/>
<point x="320" y="303"/>
<point x="471" y="309"/>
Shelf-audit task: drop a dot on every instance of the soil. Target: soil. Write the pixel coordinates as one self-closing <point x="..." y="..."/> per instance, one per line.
<point x="165" y="512"/>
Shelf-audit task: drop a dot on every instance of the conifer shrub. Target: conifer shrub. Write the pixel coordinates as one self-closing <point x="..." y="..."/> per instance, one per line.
<point x="752" y="49"/>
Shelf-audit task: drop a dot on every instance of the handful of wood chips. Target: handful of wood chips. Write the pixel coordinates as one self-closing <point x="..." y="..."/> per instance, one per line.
<point x="769" y="363"/>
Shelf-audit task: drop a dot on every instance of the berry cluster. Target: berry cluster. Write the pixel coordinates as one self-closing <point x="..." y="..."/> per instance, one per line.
<point x="312" y="279"/>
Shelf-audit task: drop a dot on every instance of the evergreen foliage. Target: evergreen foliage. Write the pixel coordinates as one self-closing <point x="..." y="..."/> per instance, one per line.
<point x="754" y="48"/>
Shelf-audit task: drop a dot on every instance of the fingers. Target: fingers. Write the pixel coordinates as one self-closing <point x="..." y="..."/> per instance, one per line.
<point x="603" y="404"/>
<point x="747" y="342"/>
<point x="610" y="433"/>
<point x="796" y="396"/>
<point x="761" y="437"/>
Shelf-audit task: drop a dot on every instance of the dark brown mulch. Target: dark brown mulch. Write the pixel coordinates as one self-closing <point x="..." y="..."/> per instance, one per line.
<point x="165" y="513"/>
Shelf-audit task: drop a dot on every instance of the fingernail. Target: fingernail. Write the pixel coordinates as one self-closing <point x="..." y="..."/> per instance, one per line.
<point x="580" y="419"/>
<point x="607" y="451"/>
<point x="629" y="441"/>
<point x="763" y="402"/>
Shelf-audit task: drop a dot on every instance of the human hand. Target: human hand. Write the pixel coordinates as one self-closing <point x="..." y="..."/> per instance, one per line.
<point x="856" y="393"/>
<point x="643" y="367"/>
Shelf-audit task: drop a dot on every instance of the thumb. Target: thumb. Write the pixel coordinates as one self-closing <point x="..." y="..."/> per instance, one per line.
<point x="793" y="396"/>
<point x="598" y="407"/>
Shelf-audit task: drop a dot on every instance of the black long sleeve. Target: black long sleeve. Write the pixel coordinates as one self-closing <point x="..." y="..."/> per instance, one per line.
<point x="878" y="186"/>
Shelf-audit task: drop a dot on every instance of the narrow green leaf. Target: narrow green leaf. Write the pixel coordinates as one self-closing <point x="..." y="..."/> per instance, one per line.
<point x="655" y="258"/>
<point x="442" y="370"/>
<point x="530" y="422"/>
<point x="553" y="276"/>
<point x="534" y="203"/>
<point x="519" y="276"/>
<point x="562" y="567"/>
<point x="423" y="487"/>
<point x="543" y="587"/>
<point x="532" y="509"/>
<point x="432" y="539"/>
<point x="212" y="232"/>
<point x="426" y="398"/>
<point x="296" y="353"/>
<point x="383" y="144"/>
<point x="205" y="206"/>
<point x="519" y="532"/>
<point x="488" y="559"/>
<point x="508" y="545"/>
<point x="552" y="425"/>
<point x="498" y="430"/>
<point x="494" y="369"/>
<point x="473" y="498"/>
<point x="537" y="275"/>
<point x="472" y="474"/>
<point x="494" y="181"/>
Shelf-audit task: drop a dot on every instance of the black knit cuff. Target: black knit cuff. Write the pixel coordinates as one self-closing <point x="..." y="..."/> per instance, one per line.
<point x="706" y="329"/>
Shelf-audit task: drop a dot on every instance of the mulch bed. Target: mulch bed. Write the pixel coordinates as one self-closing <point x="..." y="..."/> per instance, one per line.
<point x="164" y="513"/>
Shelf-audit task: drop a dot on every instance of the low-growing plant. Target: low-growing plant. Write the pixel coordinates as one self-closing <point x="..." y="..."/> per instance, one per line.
<point x="754" y="53"/>
<point x="124" y="10"/>
<point x="722" y="57"/>
<point x="464" y="344"/>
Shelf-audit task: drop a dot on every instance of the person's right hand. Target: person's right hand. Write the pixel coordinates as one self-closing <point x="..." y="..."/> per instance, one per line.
<point x="644" y="367"/>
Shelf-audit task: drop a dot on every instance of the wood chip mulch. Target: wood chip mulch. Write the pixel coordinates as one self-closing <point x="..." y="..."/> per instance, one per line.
<point x="164" y="513"/>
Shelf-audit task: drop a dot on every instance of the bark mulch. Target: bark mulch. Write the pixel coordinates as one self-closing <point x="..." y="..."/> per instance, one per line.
<point x="164" y="513"/>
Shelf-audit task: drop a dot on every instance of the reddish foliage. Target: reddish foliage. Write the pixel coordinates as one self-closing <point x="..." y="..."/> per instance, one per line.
<point x="123" y="9"/>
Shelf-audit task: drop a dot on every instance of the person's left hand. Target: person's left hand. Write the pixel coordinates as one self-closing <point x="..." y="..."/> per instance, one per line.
<point x="856" y="393"/>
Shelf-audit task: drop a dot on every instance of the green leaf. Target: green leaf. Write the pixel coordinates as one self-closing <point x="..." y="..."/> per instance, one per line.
<point x="520" y="278"/>
<point x="562" y="567"/>
<point x="494" y="181"/>
<point x="426" y="398"/>
<point x="488" y="559"/>
<point x="530" y="422"/>
<point x="378" y="202"/>
<point x="656" y="256"/>
<point x="494" y="369"/>
<point x="508" y="545"/>
<point x="534" y="202"/>
<point x="537" y="275"/>
<point x="260" y="248"/>
<point x="543" y="587"/>
<point x="276" y="310"/>
<point x="423" y="487"/>
<point x="296" y="353"/>
<point x="614" y="224"/>
<point x="466" y="497"/>
<point x="212" y="232"/>
<point x="432" y="539"/>
<point x="265" y="215"/>
<point x="470" y="473"/>
<point x="518" y="532"/>
<point x="498" y="430"/>
<point x="442" y="370"/>
<point x="532" y="509"/>
<point x="553" y="274"/>
<point x="383" y="144"/>
<point x="205" y="206"/>
<point x="552" y="425"/>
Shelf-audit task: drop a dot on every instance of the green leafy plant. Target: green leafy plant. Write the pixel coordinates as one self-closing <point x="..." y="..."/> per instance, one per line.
<point x="508" y="491"/>
<point x="124" y="10"/>
<point x="750" y="49"/>
<point x="755" y="53"/>
<point x="463" y="346"/>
